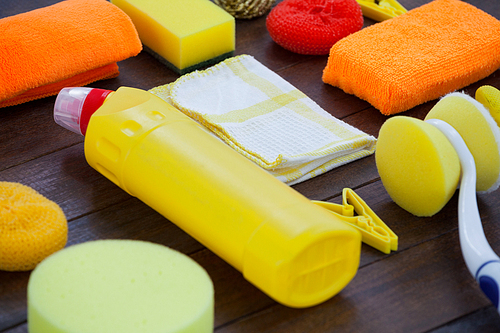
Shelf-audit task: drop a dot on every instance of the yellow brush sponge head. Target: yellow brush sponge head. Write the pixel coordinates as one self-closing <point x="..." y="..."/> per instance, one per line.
<point x="479" y="131"/>
<point x="490" y="98"/>
<point x="31" y="227"/>
<point x="417" y="164"/>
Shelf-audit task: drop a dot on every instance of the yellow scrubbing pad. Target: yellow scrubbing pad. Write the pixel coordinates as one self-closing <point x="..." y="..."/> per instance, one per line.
<point x="32" y="227"/>
<point x="479" y="131"/>
<point x="184" y="34"/>
<point x="417" y="164"/>
<point x="490" y="97"/>
<point x="119" y="286"/>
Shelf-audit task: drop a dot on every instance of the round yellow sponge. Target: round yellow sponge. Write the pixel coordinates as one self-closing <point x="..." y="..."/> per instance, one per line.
<point x="479" y="131"/>
<point x="31" y="227"/>
<point x="417" y="164"/>
<point x="119" y="286"/>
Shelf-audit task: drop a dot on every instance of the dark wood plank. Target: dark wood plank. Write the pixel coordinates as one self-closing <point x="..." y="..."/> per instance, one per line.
<point x="422" y="287"/>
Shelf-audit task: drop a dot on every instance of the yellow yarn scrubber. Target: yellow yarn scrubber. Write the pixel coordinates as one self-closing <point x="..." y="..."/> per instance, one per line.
<point x="417" y="164"/>
<point x="31" y="227"/>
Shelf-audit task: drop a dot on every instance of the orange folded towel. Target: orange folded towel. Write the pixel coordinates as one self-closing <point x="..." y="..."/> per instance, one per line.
<point x="71" y="43"/>
<point x="426" y="53"/>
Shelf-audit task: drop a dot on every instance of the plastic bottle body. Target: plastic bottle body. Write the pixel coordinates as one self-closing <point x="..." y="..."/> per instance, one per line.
<point x="293" y="250"/>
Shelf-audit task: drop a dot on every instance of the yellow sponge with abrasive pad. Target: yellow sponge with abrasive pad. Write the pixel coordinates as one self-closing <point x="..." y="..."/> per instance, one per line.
<point x="119" y="286"/>
<point x="417" y="164"/>
<point x="183" y="34"/>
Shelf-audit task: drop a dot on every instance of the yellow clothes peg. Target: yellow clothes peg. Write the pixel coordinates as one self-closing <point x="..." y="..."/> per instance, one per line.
<point x="356" y="213"/>
<point x="380" y="10"/>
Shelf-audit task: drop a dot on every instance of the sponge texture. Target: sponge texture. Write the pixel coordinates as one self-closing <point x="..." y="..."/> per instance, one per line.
<point x="479" y="131"/>
<point x="32" y="227"/>
<point x="417" y="164"/>
<point x="119" y="286"/>
<point x="419" y="56"/>
<point x="184" y="34"/>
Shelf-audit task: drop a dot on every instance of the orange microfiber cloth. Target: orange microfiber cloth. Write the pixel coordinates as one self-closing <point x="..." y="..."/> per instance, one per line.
<point x="417" y="57"/>
<point x="71" y="43"/>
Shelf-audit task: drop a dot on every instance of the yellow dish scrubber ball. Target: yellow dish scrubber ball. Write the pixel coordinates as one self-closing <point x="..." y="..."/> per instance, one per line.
<point x="119" y="286"/>
<point x="32" y="227"/>
<point x="183" y="34"/>
<point x="417" y="164"/>
<point x="479" y="131"/>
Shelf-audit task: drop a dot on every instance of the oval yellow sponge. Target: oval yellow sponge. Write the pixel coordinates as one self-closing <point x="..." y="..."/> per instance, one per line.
<point x="119" y="286"/>
<point x="32" y="227"/>
<point x="479" y="131"/>
<point x="417" y="164"/>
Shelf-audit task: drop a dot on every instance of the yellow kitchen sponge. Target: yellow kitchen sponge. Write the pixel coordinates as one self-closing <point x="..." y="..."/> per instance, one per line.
<point x="417" y="164"/>
<point x="479" y="131"/>
<point x="119" y="286"/>
<point x="184" y="34"/>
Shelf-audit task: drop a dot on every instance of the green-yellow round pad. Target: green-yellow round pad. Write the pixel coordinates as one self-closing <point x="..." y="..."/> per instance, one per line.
<point x="479" y="131"/>
<point x="119" y="286"/>
<point x="417" y="164"/>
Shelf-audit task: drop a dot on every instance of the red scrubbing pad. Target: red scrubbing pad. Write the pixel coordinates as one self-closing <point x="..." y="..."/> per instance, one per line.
<point x="313" y="26"/>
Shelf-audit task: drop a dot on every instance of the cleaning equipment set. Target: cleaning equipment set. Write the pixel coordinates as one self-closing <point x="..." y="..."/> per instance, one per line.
<point x="292" y="249"/>
<point x="295" y="251"/>
<point x="420" y="162"/>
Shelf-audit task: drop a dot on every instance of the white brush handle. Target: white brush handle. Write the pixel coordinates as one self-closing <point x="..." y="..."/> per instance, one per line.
<point x="481" y="260"/>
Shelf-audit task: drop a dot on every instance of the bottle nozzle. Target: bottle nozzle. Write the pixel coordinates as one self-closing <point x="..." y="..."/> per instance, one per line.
<point x="75" y="105"/>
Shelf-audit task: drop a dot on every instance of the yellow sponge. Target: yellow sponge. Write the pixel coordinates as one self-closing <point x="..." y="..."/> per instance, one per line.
<point x="184" y="34"/>
<point x="490" y="97"/>
<point x="119" y="286"/>
<point x="32" y="227"/>
<point x="417" y="164"/>
<point x="480" y="132"/>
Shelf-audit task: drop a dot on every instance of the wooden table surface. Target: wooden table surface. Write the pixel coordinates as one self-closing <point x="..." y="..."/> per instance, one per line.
<point x="422" y="287"/>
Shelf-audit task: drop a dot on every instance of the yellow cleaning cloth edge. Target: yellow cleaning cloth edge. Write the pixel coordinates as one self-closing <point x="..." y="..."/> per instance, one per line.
<point x="266" y="119"/>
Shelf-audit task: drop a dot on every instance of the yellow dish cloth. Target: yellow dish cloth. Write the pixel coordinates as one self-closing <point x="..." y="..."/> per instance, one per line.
<point x="419" y="56"/>
<point x="266" y="119"/>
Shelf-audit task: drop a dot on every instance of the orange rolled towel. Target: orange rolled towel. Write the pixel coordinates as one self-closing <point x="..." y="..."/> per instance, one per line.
<point x="71" y="43"/>
<point x="426" y="53"/>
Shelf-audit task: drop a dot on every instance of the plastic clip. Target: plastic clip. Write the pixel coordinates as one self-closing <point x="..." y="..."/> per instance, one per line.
<point x="374" y="231"/>
<point x="380" y="10"/>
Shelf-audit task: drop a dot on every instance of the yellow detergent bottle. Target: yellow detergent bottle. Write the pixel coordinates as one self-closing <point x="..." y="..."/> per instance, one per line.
<point x="295" y="251"/>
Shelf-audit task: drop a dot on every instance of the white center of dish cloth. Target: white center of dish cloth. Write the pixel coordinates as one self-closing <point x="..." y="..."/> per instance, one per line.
<point x="266" y="119"/>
